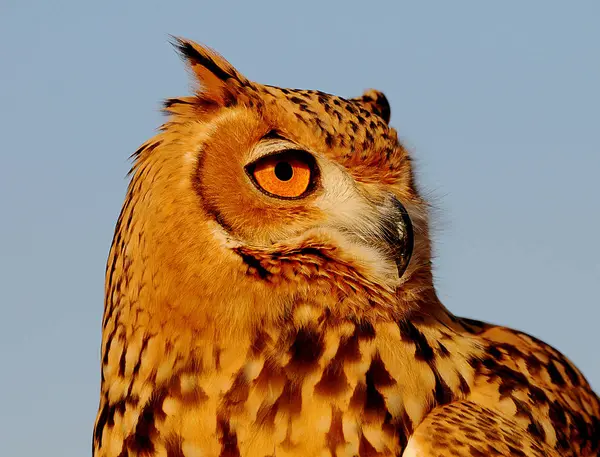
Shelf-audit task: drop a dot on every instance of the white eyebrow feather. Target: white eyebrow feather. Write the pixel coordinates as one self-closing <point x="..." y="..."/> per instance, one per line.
<point x="270" y="146"/>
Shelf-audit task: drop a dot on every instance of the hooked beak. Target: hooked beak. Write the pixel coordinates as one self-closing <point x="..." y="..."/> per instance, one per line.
<point x="397" y="232"/>
<point x="385" y="226"/>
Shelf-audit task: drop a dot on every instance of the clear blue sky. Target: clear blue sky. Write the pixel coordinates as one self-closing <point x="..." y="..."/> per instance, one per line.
<point x="499" y="101"/>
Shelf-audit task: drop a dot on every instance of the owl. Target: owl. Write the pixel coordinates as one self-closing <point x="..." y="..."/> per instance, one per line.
<point x="269" y="293"/>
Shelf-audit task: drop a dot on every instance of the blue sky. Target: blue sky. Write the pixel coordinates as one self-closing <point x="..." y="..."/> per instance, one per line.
<point x="499" y="102"/>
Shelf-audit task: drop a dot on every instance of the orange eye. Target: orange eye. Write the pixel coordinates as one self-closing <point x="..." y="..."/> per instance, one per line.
<point x="285" y="175"/>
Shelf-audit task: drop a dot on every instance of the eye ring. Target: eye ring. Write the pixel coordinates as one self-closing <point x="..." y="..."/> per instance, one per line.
<point x="291" y="174"/>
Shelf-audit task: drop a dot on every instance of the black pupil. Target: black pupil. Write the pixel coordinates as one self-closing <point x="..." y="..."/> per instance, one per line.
<point x="284" y="171"/>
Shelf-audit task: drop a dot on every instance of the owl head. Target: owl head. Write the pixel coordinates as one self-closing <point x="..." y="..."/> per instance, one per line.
<point x="254" y="200"/>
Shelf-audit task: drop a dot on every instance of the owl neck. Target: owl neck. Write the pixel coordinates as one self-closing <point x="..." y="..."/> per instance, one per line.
<point x="140" y="322"/>
<point x="380" y="369"/>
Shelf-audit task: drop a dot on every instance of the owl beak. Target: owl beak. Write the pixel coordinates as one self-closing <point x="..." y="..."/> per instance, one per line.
<point x="397" y="233"/>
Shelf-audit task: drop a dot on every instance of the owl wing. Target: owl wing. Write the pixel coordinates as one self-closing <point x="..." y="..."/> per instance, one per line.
<point x="466" y="429"/>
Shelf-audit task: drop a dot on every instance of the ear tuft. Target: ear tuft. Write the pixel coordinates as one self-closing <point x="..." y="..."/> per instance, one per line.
<point x="217" y="77"/>
<point x="377" y="103"/>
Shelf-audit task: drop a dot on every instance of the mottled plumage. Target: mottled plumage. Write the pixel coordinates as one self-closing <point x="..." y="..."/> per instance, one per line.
<point x="269" y="293"/>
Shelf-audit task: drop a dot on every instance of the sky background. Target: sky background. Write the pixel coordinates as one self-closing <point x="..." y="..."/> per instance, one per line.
<point x="498" y="101"/>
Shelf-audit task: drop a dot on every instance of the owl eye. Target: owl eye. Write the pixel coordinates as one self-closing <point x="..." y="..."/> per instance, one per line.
<point x="287" y="175"/>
